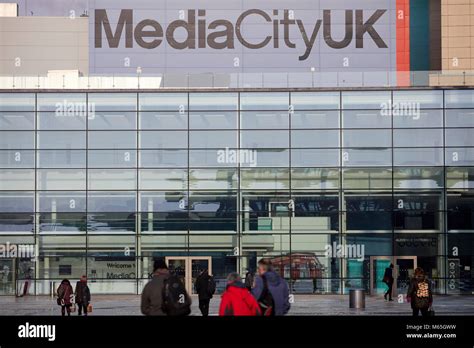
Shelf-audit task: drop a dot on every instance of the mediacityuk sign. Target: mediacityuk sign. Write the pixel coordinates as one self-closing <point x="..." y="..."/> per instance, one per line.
<point x="242" y="36"/>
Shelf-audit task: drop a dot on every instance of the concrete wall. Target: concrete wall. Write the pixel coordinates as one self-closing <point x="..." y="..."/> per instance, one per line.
<point x="35" y="45"/>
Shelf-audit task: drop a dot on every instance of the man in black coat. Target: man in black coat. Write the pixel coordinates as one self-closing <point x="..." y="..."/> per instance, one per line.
<point x="388" y="279"/>
<point x="205" y="288"/>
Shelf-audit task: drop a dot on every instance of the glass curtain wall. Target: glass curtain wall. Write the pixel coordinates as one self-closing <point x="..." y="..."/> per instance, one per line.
<point x="331" y="186"/>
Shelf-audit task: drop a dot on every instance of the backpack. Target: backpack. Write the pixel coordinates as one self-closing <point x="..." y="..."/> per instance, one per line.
<point x="249" y="281"/>
<point x="176" y="301"/>
<point x="212" y="286"/>
<point x="266" y="302"/>
<point x="422" y="295"/>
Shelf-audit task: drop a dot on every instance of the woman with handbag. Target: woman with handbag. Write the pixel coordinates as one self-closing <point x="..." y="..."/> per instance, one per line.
<point x="65" y="296"/>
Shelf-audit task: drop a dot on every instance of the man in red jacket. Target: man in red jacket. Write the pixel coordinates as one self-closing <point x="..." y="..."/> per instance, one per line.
<point x="237" y="300"/>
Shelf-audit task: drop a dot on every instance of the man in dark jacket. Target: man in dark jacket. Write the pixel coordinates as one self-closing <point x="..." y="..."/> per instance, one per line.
<point x="277" y="286"/>
<point x="83" y="296"/>
<point x="388" y="279"/>
<point x="152" y="295"/>
<point x="205" y="288"/>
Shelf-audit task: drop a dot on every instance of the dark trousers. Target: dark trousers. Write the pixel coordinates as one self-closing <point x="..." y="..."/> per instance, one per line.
<point x="81" y="307"/>
<point x="389" y="290"/>
<point x="66" y="308"/>
<point x="424" y="312"/>
<point x="204" y="306"/>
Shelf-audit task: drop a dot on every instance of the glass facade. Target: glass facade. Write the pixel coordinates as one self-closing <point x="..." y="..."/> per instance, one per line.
<point x="101" y="183"/>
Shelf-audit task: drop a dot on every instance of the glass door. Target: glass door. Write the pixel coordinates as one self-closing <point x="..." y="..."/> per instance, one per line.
<point x="188" y="268"/>
<point x="7" y="277"/>
<point x="378" y="264"/>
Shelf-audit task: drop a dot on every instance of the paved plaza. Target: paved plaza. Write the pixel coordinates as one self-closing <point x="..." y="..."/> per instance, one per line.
<point x="303" y="305"/>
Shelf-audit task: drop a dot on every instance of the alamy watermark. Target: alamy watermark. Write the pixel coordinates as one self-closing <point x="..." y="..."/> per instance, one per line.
<point x="75" y="109"/>
<point x="12" y="251"/>
<point x="345" y="251"/>
<point x="243" y="157"/>
<point x="400" y="109"/>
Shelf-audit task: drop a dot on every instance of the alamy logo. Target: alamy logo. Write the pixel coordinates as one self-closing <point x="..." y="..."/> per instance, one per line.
<point x="12" y="251"/>
<point x="345" y="251"/>
<point x="242" y="157"/>
<point x="75" y="109"/>
<point x="224" y="34"/>
<point x="401" y="109"/>
<point x="37" y="331"/>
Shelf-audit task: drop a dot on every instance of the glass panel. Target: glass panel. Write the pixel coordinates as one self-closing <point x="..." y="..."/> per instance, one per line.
<point x="460" y="211"/>
<point x="124" y="202"/>
<point x="213" y="120"/>
<point x="17" y="140"/>
<point x="315" y="138"/>
<point x="419" y="119"/>
<point x="52" y="121"/>
<point x="420" y="157"/>
<point x="218" y="158"/>
<point x="459" y="99"/>
<point x="17" y="102"/>
<point x="17" y="121"/>
<point x="369" y="212"/>
<point x="176" y="102"/>
<point x="460" y="156"/>
<point x="366" y="157"/>
<point x="315" y="119"/>
<point x="315" y="157"/>
<point x="213" y="139"/>
<point x="113" y="101"/>
<point x="371" y="100"/>
<point x="213" y="211"/>
<point x="164" y="158"/>
<point x="111" y="158"/>
<point x="367" y="178"/>
<point x="460" y="178"/>
<point x="112" y="139"/>
<point x="163" y="139"/>
<point x="460" y="118"/>
<point x="460" y="137"/>
<point x="418" y="178"/>
<point x="264" y="101"/>
<point x="417" y="137"/>
<point x="12" y="202"/>
<point x="17" y="179"/>
<point x="417" y="212"/>
<point x="213" y="101"/>
<point x="61" y="159"/>
<point x="112" y="179"/>
<point x="265" y="178"/>
<point x="17" y="159"/>
<point x="212" y="179"/>
<point x="264" y="139"/>
<point x="164" y="211"/>
<point x="163" y="120"/>
<point x="365" y="119"/>
<point x="314" y="178"/>
<point x="315" y="101"/>
<point x="63" y="103"/>
<point x="61" y="179"/>
<point x="61" y="140"/>
<point x="264" y="120"/>
<point x="163" y="179"/>
<point x="66" y="201"/>
<point x="367" y="138"/>
<point x="423" y="99"/>
<point x="113" y="120"/>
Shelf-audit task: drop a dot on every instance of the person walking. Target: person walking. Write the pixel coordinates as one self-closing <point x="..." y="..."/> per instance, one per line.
<point x="65" y="295"/>
<point x="237" y="300"/>
<point x="205" y="287"/>
<point x="270" y="290"/>
<point x="83" y="296"/>
<point x="420" y="294"/>
<point x="165" y="293"/>
<point x="388" y="279"/>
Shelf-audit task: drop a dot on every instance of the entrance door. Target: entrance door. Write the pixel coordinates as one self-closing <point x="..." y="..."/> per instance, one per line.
<point x="187" y="268"/>
<point x="378" y="264"/>
<point x="403" y="271"/>
<point x="405" y="268"/>
<point x="7" y="277"/>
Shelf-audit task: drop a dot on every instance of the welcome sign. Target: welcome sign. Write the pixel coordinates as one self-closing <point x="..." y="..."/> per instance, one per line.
<point x="192" y="36"/>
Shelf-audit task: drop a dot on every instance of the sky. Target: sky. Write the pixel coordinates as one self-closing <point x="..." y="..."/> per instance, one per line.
<point x="49" y="7"/>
